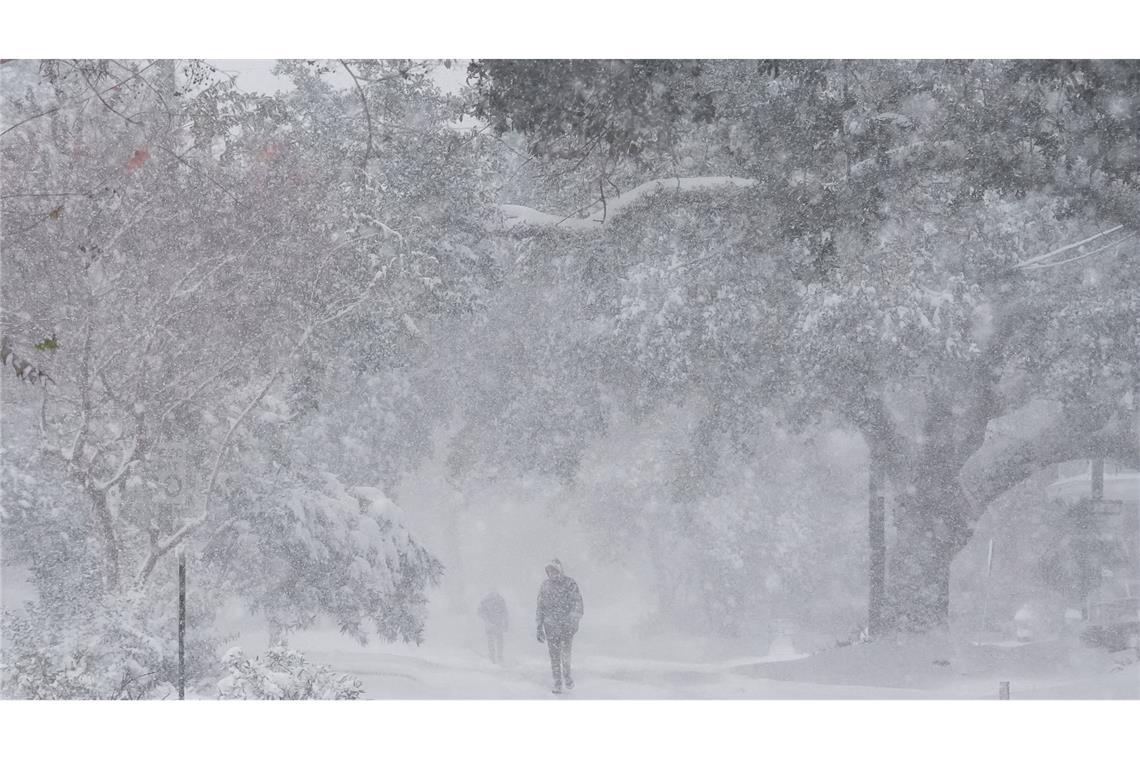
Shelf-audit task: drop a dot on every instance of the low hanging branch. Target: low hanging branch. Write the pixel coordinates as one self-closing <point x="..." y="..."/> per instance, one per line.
<point x="614" y="208"/>
<point x="1063" y="434"/>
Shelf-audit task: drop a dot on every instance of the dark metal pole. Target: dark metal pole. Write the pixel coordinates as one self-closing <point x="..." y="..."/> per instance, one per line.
<point x="878" y="564"/>
<point x="876" y="525"/>
<point x="181" y="625"/>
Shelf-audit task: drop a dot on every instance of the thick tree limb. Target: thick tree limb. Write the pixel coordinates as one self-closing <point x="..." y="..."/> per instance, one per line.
<point x="524" y="216"/>
<point x="1053" y="435"/>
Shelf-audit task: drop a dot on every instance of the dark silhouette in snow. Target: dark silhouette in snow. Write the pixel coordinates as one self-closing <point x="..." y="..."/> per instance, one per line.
<point x="559" y="610"/>
<point x="493" y="612"/>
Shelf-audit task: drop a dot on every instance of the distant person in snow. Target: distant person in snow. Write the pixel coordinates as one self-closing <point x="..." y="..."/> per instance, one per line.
<point x="493" y="611"/>
<point x="559" y="610"/>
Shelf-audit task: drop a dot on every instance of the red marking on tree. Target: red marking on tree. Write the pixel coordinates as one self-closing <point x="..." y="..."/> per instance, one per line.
<point x="138" y="159"/>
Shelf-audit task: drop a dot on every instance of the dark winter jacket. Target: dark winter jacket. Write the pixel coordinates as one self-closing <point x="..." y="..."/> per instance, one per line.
<point x="559" y="606"/>
<point x="493" y="610"/>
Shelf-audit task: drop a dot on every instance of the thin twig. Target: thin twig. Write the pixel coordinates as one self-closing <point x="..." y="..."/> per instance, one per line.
<point x="102" y="100"/>
<point x="61" y="105"/>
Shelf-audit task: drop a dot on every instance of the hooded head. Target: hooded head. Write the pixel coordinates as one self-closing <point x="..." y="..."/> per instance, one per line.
<point x="554" y="568"/>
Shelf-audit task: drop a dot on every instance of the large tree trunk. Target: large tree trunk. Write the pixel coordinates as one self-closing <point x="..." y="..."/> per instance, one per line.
<point x="918" y="594"/>
<point x="941" y="494"/>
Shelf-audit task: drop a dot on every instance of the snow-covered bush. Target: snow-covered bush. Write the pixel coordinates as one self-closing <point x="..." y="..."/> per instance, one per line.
<point x="309" y="546"/>
<point x="105" y="656"/>
<point x="283" y="674"/>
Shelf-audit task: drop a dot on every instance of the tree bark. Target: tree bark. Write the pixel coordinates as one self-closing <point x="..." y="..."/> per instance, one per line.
<point x="940" y="499"/>
<point x="110" y="539"/>
<point x="919" y="591"/>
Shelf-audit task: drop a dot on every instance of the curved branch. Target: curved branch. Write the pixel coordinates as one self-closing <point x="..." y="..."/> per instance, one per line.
<point x="1061" y="435"/>
<point x="517" y="216"/>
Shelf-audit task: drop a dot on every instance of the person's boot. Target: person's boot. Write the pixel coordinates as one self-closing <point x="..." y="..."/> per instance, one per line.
<point x="557" y="688"/>
<point x="569" y="683"/>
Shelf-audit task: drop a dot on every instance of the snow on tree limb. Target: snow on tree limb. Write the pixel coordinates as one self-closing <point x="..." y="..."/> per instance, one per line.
<point x="525" y="216"/>
<point x="1054" y="436"/>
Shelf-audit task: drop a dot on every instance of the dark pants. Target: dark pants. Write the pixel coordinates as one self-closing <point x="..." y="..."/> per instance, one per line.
<point x="495" y="643"/>
<point x="559" y="646"/>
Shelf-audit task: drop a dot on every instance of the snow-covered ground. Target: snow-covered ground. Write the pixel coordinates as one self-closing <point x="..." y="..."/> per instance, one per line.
<point x="612" y="663"/>
<point x="453" y="665"/>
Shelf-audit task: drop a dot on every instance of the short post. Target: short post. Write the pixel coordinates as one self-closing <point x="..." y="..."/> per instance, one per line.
<point x="1003" y="690"/>
<point x="986" y="590"/>
<point x="181" y="624"/>
<point x="1098" y="479"/>
<point x="876" y="520"/>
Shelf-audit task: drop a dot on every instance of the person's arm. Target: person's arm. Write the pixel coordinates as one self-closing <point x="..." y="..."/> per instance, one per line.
<point x="538" y="614"/>
<point x="579" y="608"/>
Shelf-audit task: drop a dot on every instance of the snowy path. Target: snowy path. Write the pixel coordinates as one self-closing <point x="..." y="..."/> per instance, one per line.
<point x="387" y="676"/>
<point x="400" y="676"/>
<point x="452" y="664"/>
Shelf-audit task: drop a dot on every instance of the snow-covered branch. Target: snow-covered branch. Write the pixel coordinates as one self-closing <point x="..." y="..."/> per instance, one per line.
<point x="130" y="455"/>
<point x="525" y="216"/>
<point x="1044" y="437"/>
<point x="161" y="548"/>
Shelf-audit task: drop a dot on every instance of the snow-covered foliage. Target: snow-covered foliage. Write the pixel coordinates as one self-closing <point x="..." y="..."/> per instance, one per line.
<point x="876" y="272"/>
<point x="185" y="276"/>
<point x="282" y="674"/>
<point x="734" y="540"/>
<point x="706" y="312"/>
<point x="82" y="658"/>
<point x="309" y="546"/>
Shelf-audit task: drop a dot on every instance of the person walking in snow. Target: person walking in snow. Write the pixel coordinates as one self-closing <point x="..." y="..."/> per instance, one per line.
<point x="559" y="610"/>
<point x="493" y="611"/>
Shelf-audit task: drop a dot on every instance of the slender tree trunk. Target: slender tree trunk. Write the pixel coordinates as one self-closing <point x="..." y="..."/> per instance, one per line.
<point x="278" y="637"/>
<point x="110" y="540"/>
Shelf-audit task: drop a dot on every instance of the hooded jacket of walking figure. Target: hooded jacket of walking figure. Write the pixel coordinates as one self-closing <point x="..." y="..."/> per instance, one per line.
<point x="559" y="610"/>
